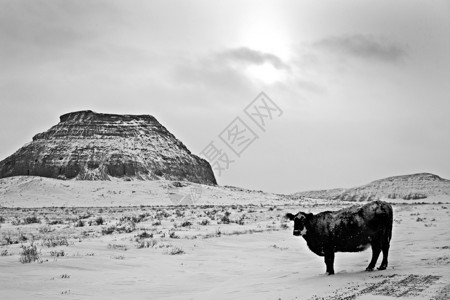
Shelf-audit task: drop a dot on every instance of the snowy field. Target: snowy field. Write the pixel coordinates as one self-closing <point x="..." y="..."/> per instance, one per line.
<point x="87" y="240"/>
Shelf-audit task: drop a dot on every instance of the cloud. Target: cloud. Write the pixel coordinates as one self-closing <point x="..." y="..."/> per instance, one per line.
<point x="363" y="46"/>
<point x="208" y="74"/>
<point x="225" y="69"/>
<point x="249" y="56"/>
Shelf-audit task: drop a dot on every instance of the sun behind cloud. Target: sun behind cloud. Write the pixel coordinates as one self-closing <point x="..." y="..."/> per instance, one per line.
<point x="265" y="31"/>
<point x="266" y="73"/>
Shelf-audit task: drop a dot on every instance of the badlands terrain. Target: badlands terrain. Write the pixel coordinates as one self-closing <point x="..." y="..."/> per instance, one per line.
<point x="179" y="240"/>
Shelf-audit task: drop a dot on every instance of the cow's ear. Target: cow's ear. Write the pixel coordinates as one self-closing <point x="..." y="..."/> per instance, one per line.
<point x="290" y="216"/>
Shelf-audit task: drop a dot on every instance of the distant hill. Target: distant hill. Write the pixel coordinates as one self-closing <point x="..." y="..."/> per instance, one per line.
<point x="86" y="145"/>
<point x="406" y="187"/>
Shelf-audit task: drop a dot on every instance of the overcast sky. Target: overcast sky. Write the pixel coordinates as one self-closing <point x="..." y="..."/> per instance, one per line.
<point x="363" y="85"/>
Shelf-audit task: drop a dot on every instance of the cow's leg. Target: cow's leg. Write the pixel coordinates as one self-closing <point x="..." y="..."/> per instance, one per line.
<point x="329" y="261"/>
<point x="376" y="249"/>
<point x="385" y="248"/>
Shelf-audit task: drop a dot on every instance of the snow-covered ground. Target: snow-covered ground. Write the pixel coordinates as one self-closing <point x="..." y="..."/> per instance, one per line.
<point x="29" y="191"/>
<point x="133" y="243"/>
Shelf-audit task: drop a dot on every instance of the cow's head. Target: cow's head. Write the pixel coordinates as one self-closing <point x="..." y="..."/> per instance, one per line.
<point x="300" y="220"/>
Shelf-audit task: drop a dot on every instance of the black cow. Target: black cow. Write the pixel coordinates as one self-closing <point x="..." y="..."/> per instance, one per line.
<point x="350" y="229"/>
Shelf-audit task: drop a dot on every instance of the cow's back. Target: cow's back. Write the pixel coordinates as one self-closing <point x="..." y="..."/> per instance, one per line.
<point x="354" y="228"/>
<point x="378" y="214"/>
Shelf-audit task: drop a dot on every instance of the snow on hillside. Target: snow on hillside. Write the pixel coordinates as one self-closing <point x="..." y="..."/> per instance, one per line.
<point x="397" y="188"/>
<point x="30" y="191"/>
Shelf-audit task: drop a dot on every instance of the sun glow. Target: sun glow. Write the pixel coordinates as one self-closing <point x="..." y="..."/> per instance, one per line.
<point x="265" y="73"/>
<point x="266" y="32"/>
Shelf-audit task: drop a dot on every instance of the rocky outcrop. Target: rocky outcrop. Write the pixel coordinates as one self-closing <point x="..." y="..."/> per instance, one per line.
<point x="86" y="145"/>
<point x="406" y="187"/>
<point x="319" y="194"/>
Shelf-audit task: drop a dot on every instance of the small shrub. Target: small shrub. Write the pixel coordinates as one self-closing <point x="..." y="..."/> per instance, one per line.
<point x="218" y="232"/>
<point x="145" y="235"/>
<point x="55" y="222"/>
<point x="226" y="218"/>
<point x="173" y="235"/>
<point x="86" y="215"/>
<point x="31" y="220"/>
<point x="4" y="252"/>
<point x="174" y="251"/>
<point x="9" y="239"/>
<point x="280" y="248"/>
<point x="205" y="222"/>
<point x="133" y="219"/>
<point x="117" y="247"/>
<point x="45" y="229"/>
<point x="177" y="184"/>
<point x="128" y="227"/>
<point x="146" y="244"/>
<point x="54" y="241"/>
<point x="29" y="254"/>
<point x="162" y="214"/>
<point x="79" y="223"/>
<point x="186" y="224"/>
<point x="22" y="237"/>
<point x="179" y="213"/>
<point x="284" y="226"/>
<point x="2" y="219"/>
<point x="57" y="253"/>
<point x="108" y="230"/>
<point x="99" y="221"/>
